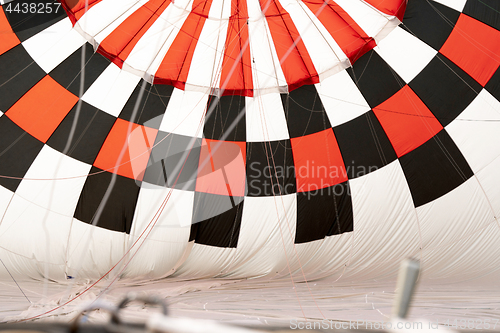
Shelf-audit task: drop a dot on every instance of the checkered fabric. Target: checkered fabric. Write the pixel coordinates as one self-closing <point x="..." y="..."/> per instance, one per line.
<point x="402" y="144"/>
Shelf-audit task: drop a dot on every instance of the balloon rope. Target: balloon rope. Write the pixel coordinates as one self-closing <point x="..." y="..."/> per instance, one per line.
<point x="234" y="123"/>
<point x="272" y="185"/>
<point x="155" y="218"/>
<point x="158" y="212"/>
<point x="279" y="224"/>
<point x="487" y="5"/>
<point x="177" y="170"/>
<point x="269" y="154"/>
<point x="17" y="284"/>
<point x="89" y="287"/>
<point x="153" y="221"/>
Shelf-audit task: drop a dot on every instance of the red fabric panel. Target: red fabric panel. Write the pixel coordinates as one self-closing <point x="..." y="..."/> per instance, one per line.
<point x="76" y="8"/>
<point x="138" y="145"/>
<point x="346" y="32"/>
<point x="9" y="38"/>
<point x="174" y="68"/>
<point x="318" y="161"/>
<point x="40" y="111"/>
<point x="475" y="47"/>
<point x="407" y="121"/>
<point x="222" y="168"/>
<point x="118" y="45"/>
<point x="295" y="61"/>
<point x="236" y="74"/>
<point x="391" y="7"/>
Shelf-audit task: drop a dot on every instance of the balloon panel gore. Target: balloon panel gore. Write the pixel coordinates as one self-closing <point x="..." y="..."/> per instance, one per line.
<point x="230" y="48"/>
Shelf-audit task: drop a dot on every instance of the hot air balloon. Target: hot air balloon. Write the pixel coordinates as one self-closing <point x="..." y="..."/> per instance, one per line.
<point x="240" y="139"/>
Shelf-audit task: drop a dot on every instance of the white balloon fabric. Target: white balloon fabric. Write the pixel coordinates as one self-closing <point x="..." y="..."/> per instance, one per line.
<point x="196" y="139"/>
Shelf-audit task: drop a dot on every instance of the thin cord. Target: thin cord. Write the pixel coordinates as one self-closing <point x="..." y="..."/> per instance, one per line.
<point x="176" y="170"/>
<point x="17" y="284"/>
<point x="23" y="293"/>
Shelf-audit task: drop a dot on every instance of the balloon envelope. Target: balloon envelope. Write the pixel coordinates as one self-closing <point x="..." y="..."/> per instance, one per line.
<point x="202" y="139"/>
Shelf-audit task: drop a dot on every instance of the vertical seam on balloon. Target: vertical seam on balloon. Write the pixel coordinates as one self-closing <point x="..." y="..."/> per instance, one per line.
<point x="138" y="116"/>
<point x="264" y="125"/>
<point x="217" y="68"/>
<point x="376" y="139"/>
<point x="154" y="15"/>
<point x="239" y="58"/>
<point x="97" y="214"/>
<point x="72" y="131"/>
<point x="323" y="6"/>
<point x="268" y="32"/>
<point x="130" y="249"/>
<point x="73" y="128"/>
<point x="261" y="108"/>
<point x="240" y="29"/>
<point x="295" y="42"/>
<point x="357" y="79"/>
<point x="347" y="23"/>
<point x="450" y="158"/>
<point x="166" y="51"/>
<point x="200" y="18"/>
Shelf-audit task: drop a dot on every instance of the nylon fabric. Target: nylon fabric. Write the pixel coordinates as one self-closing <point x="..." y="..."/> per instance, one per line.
<point x="275" y="171"/>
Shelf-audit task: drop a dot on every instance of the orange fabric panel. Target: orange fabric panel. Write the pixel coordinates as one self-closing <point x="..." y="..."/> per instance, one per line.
<point x="222" y="168"/>
<point x="346" y="32"/>
<point x="391" y="7"/>
<point x="40" y="111"/>
<point x="8" y="37"/>
<point x="318" y="161"/>
<point x="118" y="45"/>
<point x="295" y="61"/>
<point x="474" y="47"/>
<point x="175" y="66"/>
<point x="406" y="120"/>
<point x="236" y="73"/>
<point x="138" y="144"/>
